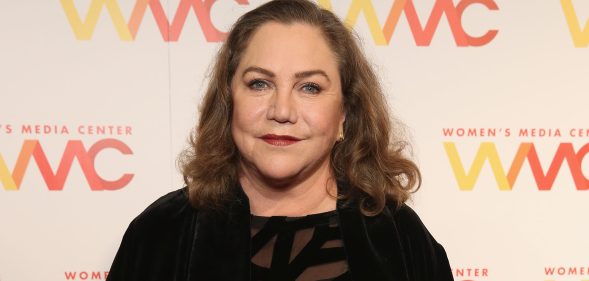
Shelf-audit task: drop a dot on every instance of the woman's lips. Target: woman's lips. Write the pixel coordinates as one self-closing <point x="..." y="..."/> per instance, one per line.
<point x="279" y="140"/>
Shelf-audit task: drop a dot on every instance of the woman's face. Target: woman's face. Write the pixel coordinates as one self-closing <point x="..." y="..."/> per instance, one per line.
<point x="287" y="102"/>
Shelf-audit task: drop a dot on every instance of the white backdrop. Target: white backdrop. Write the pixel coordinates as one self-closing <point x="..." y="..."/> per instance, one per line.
<point x="92" y="90"/>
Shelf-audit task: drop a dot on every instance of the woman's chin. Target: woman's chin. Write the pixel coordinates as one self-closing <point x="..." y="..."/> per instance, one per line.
<point x="280" y="171"/>
<point x="280" y="177"/>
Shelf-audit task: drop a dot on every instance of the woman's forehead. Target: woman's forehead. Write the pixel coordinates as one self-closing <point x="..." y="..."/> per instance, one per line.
<point x="292" y="47"/>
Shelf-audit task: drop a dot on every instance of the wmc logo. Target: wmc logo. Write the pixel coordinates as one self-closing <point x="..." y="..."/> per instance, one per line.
<point x="487" y="153"/>
<point x="422" y="34"/>
<point x="127" y="30"/>
<point x="74" y="149"/>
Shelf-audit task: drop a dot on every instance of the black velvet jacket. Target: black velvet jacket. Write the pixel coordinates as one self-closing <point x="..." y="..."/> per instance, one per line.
<point x="171" y="241"/>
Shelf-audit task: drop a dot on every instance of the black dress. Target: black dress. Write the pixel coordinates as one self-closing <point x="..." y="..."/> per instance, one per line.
<point x="172" y="241"/>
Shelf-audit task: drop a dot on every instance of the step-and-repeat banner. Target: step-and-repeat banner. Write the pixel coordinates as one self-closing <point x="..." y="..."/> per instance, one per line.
<point x="98" y="98"/>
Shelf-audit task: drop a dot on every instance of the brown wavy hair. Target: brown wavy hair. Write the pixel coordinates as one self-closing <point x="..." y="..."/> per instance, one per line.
<point x="370" y="159"/>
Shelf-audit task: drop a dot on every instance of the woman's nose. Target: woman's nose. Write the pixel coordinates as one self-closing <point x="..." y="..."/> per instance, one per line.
<point x="282" y="108"/>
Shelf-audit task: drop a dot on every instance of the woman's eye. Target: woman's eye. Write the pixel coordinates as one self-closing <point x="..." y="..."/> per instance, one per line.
<point x="311" y="88"/>
<point x="258" y="85"/>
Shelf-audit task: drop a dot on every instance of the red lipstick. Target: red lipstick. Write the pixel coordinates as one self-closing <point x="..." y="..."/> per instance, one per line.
<point x="279" y="140"/>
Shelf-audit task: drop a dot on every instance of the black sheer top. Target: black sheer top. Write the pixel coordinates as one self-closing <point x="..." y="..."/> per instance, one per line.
<point x="298" y="248"/>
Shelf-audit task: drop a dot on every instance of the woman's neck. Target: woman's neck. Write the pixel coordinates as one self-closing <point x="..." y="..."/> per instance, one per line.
<point x="313" y="194"/>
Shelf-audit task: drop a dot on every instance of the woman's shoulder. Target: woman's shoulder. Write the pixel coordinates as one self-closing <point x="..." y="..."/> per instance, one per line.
<point x="409" y="224"/>
<point x="169" y="209"/>
<point x="406" y="218"/>
<point x="155" y="240"/>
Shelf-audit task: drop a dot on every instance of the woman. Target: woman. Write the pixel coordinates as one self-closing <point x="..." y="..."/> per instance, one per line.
<point x="293" y="173"/>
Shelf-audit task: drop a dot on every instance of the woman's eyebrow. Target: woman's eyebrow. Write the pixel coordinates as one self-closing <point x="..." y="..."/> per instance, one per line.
<point x="308" y="73"/>
<point x="259" y="70"/>
<point x="298" y="75"/>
